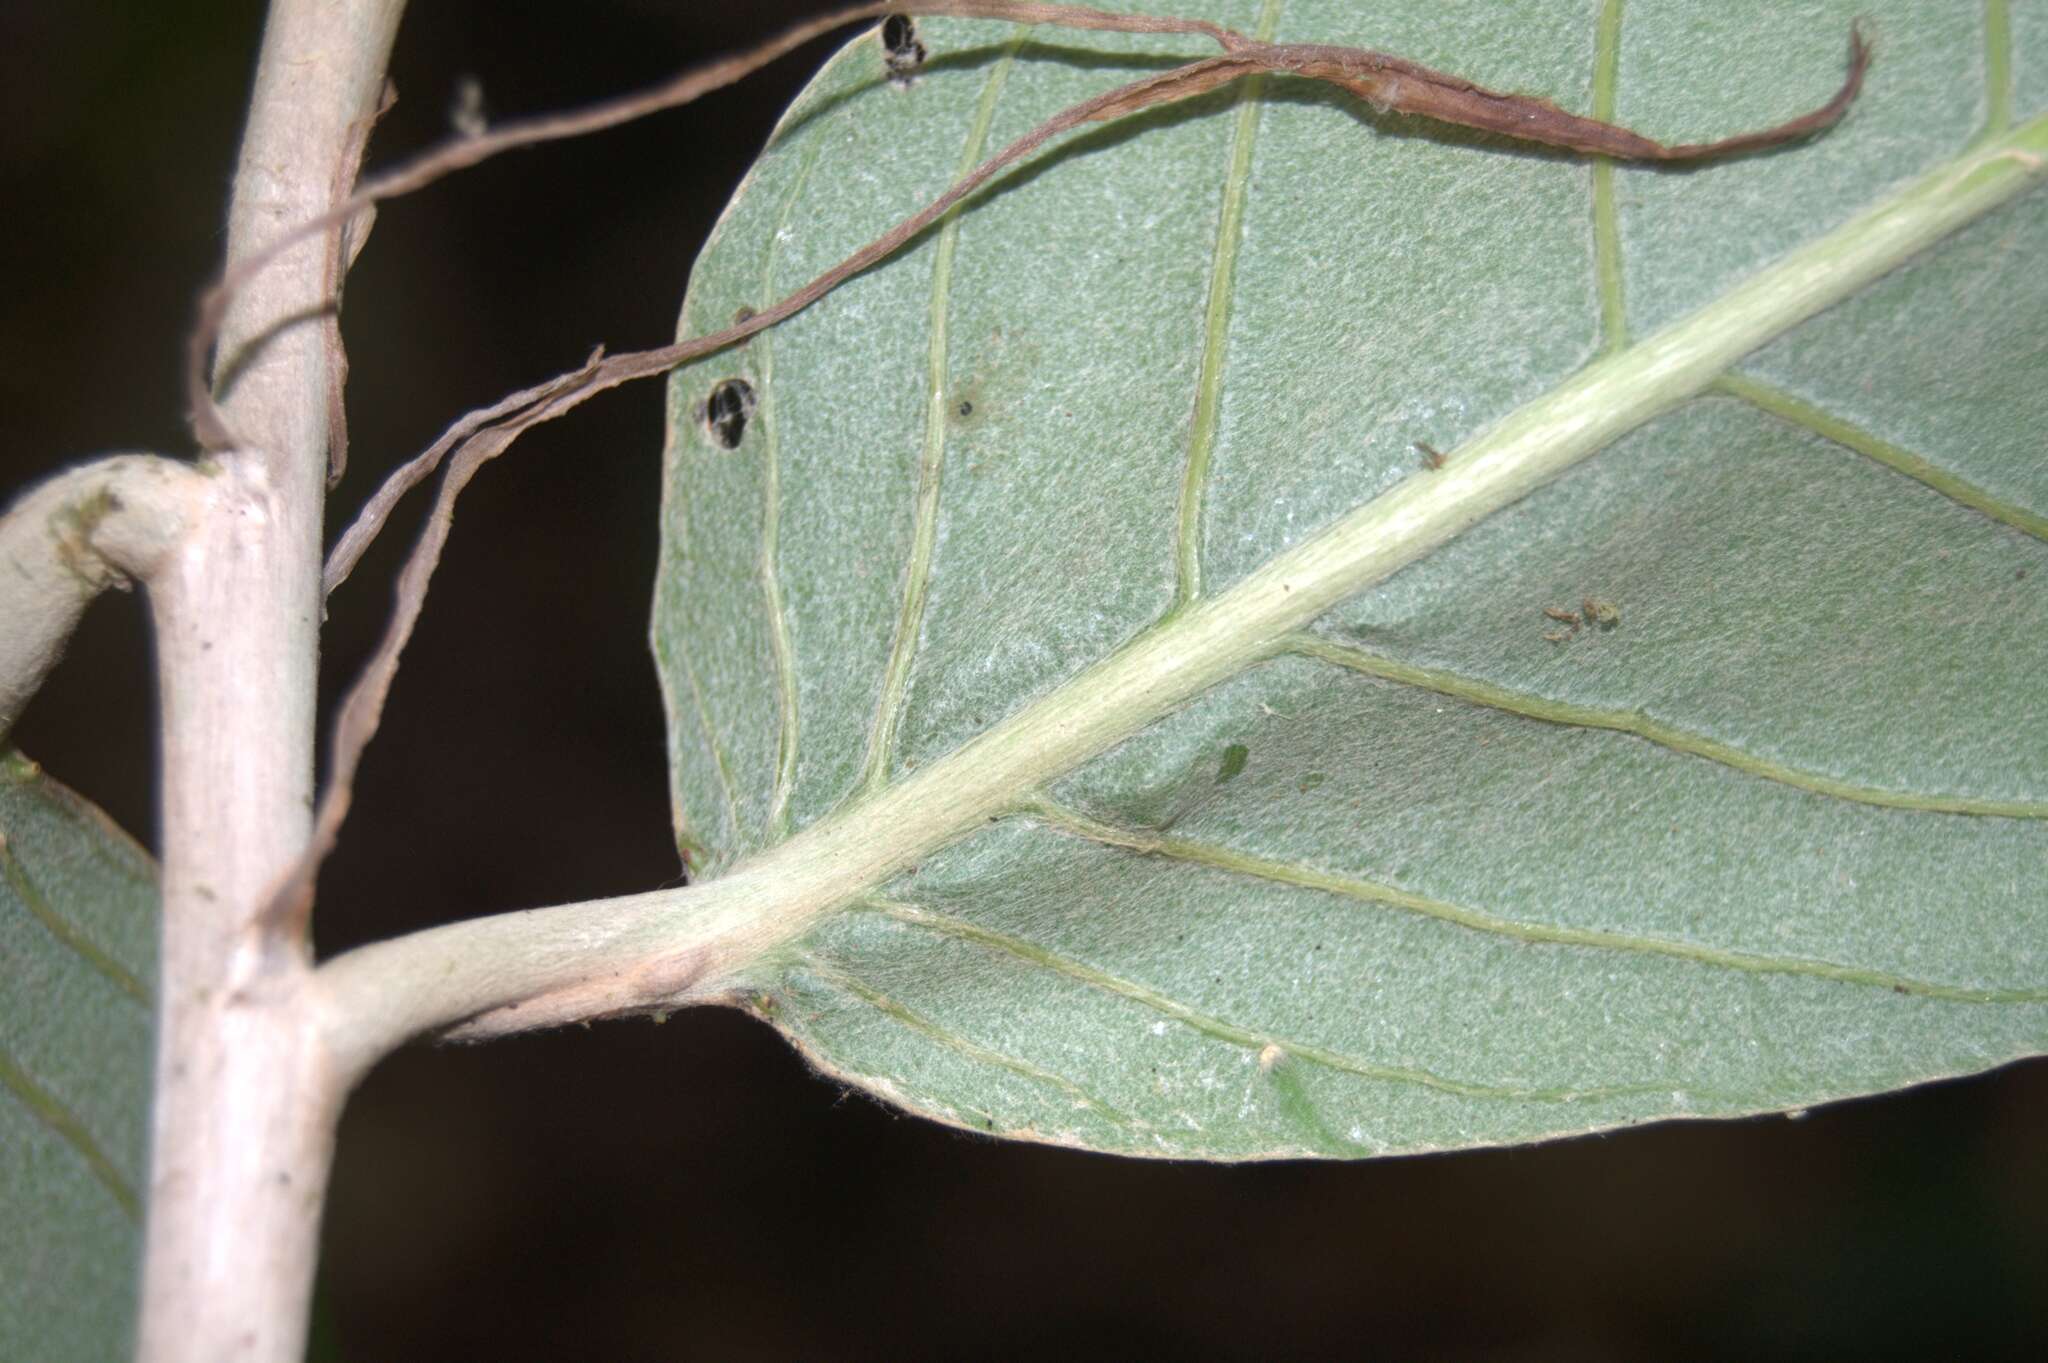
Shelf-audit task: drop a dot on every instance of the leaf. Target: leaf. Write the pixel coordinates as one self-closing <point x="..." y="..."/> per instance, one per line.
<point x="77" y="946"/>
<point x="1191" y="771"/>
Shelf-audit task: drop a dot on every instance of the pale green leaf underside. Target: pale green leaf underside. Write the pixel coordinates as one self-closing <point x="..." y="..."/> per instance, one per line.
<point x="1419" y="877"/>
<point x="77" y="953"/>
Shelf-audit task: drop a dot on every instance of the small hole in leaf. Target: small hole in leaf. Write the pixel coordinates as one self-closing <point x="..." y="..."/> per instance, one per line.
<point x="726" y="412"/>
<point x="902" y="53"/>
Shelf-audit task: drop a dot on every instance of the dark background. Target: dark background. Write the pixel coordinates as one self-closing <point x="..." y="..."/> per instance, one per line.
<point x="643" y="1192"/>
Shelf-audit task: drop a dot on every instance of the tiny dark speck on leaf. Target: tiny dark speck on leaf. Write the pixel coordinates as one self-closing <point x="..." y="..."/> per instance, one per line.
<point x="726" y="412"/>
<point x="1234" y="758"/>
<point x="966" y="409"/>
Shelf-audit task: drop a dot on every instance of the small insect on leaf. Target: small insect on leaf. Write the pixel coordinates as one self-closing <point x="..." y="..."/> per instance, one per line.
<point x="1601" y="614"/>
<point x="902" y="53"/>
<point x="1562" y="615"/>
<point x="1432" y="457"/>
<point x="726" y="411"/>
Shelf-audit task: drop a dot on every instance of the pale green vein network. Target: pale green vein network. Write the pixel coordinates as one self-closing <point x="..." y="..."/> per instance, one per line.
<point x="1653" y="731"/>
<point x="1799" y="412"/>
<point x="1606" y="216"/>
<point x="1247" y="1038"/>
<point x="931" y="465"/>
<point x="65" y="931"/>
<point x="1350" y="887"/>
<point x="69" y="1129"/>
<point x="1216" y="326"/>
<point x="836" y="978"/>
<point x="779" y="642"/>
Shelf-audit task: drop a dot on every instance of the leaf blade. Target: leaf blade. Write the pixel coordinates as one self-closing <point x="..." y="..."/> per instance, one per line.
<point x="77" y="938"/>
<point x="1030" y="681"/>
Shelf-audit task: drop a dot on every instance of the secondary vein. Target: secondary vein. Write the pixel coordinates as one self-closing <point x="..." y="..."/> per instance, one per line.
<point x="1997" y="69"/>
<point x="780" y="645"/>
<point x="1235" y="1034"/>
<point x="66" y="1126"/>
<point x="1216" y="326"/>
<point x="1653" y="731"/>
<point x="932" y="463"/>
<point x="64" y="930"/>
<point x="1352" y="887"/>
<point x="1606" y="215"/>
<point x="838" y="978"/>
<point x="1798" y="411"/>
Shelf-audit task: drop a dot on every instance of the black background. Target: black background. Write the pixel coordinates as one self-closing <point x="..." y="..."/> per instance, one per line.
<point x="688" y="1190"/>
